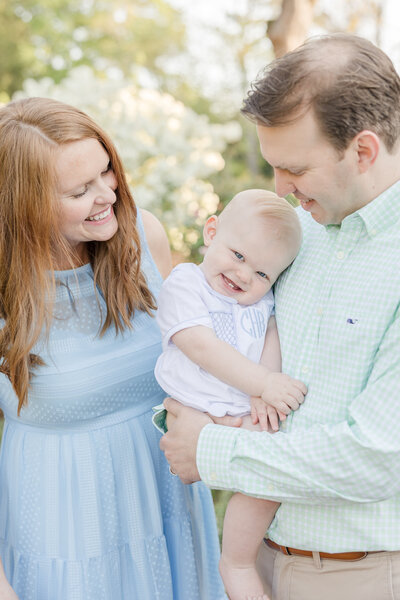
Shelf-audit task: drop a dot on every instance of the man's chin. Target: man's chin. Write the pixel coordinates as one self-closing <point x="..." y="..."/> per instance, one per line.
<point x="321" y="219"/>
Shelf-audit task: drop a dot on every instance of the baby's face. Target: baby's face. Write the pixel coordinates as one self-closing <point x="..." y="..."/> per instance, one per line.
<point x="245" y="257"/>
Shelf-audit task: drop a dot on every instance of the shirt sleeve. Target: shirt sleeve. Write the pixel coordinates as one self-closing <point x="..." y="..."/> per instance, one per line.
<point x="357" y="460"/>
<point x="181" y="303"/>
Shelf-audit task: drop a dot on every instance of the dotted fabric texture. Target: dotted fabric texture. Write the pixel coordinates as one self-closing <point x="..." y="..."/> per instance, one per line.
<point x="88" y="508"/>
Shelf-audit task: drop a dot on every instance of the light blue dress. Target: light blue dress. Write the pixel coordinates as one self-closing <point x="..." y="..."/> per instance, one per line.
<point x="88" y="508"/>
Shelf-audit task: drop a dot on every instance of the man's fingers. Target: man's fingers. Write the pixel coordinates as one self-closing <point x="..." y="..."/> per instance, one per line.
<point x="228" y="420"/>
<point x="172" y="406"/>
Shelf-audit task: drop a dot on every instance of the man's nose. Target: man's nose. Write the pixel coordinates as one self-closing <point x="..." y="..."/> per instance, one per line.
<point x="283" y="183"/>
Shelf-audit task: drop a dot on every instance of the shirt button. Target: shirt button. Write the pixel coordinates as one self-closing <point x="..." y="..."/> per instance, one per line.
<point x="305" y="369"/>
<point x="340" y="254"/>
<point x="320" y="310"/>
<point x="373" y="231"/>
<point x="213" y="476"/>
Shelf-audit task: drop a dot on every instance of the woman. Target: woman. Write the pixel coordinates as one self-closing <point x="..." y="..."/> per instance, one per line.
<point x="88" y="507"/>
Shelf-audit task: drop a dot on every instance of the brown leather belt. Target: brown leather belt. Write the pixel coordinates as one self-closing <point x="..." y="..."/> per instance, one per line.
<point x="296" y="552"/>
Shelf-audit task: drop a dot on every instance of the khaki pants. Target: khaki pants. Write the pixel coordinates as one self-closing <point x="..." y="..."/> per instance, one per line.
<point x="375" y="577"/>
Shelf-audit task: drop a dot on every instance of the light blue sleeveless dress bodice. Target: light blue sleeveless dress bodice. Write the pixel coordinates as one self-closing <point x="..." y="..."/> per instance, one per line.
<point x="88" y="508"/>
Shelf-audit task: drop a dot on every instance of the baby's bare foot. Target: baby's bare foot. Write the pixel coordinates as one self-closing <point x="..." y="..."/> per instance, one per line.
<point x="241" y="582"/>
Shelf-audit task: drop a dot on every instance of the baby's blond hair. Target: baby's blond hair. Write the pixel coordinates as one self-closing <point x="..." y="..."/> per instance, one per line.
<point x="272" y="210"/>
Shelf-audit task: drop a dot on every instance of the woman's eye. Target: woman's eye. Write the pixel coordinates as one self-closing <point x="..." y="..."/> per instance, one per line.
<point x="80" y="194"/>
<point x="238" y="255"/>
<point x="109" y="168"/>
<point x="261" y="274"/>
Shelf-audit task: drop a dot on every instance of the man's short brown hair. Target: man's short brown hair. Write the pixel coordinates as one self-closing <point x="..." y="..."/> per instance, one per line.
<point x="349" y="83"/>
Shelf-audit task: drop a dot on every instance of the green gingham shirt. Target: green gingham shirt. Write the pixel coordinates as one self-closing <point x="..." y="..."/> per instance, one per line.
<point x="335" y="464"/>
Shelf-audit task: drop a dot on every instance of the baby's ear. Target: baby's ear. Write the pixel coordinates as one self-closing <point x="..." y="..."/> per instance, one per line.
<point x="210" y="229"/>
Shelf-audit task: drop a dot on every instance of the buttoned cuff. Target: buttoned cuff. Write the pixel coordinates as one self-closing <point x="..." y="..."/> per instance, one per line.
<point x="215" y="449"/>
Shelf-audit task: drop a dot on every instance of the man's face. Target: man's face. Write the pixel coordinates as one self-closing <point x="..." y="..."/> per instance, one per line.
<point x="307" y="165"/>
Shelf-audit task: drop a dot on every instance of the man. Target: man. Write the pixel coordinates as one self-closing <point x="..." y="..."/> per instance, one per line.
<point x="328" y="121"/>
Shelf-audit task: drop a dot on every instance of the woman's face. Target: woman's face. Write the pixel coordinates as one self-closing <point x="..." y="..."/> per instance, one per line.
<point x="86" y="185"/>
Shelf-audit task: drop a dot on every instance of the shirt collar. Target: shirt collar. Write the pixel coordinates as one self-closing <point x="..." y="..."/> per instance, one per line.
<point x="380" y="213"/>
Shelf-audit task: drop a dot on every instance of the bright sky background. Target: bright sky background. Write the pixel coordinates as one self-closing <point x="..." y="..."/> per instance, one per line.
<point x="215" y="72"/>
<point x="391" y="31"/>
<point x="212" y="12"/>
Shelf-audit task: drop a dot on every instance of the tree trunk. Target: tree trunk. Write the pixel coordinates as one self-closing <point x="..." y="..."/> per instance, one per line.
<point x="290" y="29"/>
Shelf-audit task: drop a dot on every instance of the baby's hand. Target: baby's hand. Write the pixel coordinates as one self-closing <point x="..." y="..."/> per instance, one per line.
<point x="265" y="414"/>
<point x="283" y="392"/>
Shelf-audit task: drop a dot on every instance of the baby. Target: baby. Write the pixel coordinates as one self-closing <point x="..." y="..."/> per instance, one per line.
<point x="221" y="352"/>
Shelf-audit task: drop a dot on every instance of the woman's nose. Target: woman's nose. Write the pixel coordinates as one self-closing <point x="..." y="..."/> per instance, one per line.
<point x="106" y="188"/>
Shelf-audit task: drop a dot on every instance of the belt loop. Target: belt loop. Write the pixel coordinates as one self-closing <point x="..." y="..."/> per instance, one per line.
<point x="317" y="560"/>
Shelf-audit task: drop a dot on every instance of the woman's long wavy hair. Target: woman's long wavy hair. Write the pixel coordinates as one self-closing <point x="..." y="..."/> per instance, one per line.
<point x="31" y="131"/>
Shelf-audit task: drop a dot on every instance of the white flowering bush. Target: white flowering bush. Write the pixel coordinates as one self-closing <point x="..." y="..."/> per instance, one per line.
<point x="168" y="150"/>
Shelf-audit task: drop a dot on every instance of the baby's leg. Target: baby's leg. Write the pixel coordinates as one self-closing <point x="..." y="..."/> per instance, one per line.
<point x="246" y="521"/>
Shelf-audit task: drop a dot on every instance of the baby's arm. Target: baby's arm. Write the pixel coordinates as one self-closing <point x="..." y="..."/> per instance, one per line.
<point x="277" y="385"/>
<point x="218" y="358"/>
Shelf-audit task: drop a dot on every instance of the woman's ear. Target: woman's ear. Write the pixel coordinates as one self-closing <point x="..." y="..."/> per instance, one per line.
<point x="210" y="229"/>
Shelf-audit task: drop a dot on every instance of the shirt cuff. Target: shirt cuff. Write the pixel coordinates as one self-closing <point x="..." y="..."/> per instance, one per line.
<point x="215" y="449"/>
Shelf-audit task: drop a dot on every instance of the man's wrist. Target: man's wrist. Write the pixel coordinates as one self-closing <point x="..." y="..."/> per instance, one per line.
<point x="213" y="457"/>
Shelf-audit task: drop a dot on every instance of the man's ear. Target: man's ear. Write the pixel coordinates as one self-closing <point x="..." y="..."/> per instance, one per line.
<point x="367" y="145"/>
<point x="210" y="229"/>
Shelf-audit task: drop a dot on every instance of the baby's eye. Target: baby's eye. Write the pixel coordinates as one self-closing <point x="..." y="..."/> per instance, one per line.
<point x="238" y="255"/>
<point x="261" y="274"/>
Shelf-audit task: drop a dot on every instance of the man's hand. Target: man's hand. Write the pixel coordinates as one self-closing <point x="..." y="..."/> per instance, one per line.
<point x="180" y="442"/>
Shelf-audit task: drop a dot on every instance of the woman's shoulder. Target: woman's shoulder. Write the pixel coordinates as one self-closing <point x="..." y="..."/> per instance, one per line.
<point x="157" y="241"/>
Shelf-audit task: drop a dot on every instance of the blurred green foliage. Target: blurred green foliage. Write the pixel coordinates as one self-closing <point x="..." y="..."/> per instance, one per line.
<point x="50" y="37"/>
<point x="220" y="498"/>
